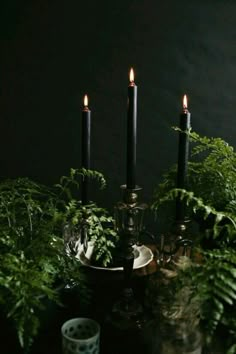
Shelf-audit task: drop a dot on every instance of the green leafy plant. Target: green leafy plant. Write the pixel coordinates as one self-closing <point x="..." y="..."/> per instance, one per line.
<point x="98" y="223"/>
<point x="213" y="178"/>
<point x="210" y="199"/>
<point x="212" y="283"/>
<point x="34" y="262"/>
<point x="211" y="175"/>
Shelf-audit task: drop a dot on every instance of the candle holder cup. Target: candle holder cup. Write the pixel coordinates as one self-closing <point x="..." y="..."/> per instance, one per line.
<point x="129" y="214"/>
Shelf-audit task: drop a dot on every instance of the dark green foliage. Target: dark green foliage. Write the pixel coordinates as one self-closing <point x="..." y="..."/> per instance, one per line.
<point x="211" y="201"/>
<point x="211" y="174"/>
<point x="32" y="253"/>
<point x="213" y="178"/>
<point x="213" y="285"/>
<point x="34" y="264"/>
<point x="100" y="225"/>
<point x="70" y="184"/>
<point x="101" y="232"/>
<point x="222" y="221"/>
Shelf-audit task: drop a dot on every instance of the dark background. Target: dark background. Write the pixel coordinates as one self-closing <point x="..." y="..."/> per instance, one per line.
<point x="53" y="52"/>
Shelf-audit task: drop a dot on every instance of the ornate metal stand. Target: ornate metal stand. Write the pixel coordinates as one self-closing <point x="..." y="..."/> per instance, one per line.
<point x="179" y="230"/>
<point x="129" y="223"/>
<point x="178" y="241"/>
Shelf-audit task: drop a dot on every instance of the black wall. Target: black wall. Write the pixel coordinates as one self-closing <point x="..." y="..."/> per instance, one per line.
<point x="55" y="51"/>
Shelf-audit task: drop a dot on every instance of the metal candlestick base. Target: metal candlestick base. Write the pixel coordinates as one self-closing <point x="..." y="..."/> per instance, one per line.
<point x="177" y="242"/>
<point x="127" y="312"/>
<point x="179" y="230"/>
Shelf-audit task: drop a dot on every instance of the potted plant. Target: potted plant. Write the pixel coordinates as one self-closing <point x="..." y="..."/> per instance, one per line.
<point x="34" y="261"/>
<point x="211" y="202"/>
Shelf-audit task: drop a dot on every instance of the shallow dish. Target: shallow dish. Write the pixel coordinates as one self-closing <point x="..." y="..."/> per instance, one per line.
<point x="142" y="257"/>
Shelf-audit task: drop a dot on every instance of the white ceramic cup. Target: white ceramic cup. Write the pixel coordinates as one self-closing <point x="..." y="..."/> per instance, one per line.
<point x="80" y="336"/>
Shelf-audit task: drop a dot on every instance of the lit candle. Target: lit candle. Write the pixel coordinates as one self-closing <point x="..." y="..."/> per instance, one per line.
<point x="183" y="153"/>
<point x="85" y="147"/>
<point x="131" y="132"/>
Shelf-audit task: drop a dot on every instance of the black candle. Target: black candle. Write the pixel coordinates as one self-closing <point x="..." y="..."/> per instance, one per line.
<point x="131" y="133"/>
<point x="85" y="148"/>
<point x="183" y="154"/>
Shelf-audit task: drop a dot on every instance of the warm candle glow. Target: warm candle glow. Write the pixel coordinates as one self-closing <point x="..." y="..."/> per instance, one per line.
<point x="185" y="102"/>
<point x="131" y="75"/>
<point x="85" y="100"/>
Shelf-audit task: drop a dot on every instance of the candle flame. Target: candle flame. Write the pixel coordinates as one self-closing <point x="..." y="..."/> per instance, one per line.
<point x="131" y="75"/>
<point x="85" y="100"/>
<point x="185" y="102"/>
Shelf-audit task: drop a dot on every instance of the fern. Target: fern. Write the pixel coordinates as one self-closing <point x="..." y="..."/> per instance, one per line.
<point x="71" y="183"/>
<point x="33" y="259"/>
<point x="99" y="225"/>
<point x="22" y="283"/>
<point x="214" y="177"/>
<point x="102" y="233"/>
<point x="211" y="173"/>
<point x="215" y="281"/>
<point x="207" y="290"/>
<point x="210" y="197"/>
<point x="196" y="205"/>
